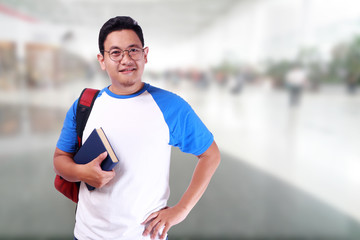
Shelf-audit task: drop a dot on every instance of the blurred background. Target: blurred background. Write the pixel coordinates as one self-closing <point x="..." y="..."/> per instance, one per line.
<point x="274" y="80"/>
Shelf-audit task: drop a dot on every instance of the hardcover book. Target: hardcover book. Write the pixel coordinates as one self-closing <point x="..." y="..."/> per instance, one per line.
<point x="94" y="145"/>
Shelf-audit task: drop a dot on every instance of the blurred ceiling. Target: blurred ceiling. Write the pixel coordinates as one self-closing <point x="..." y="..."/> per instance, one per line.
<point x="167" y="20"/>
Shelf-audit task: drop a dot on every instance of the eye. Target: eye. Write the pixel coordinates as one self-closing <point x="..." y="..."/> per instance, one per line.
<point x="134" y="50"/>
<point x="115" y="53"/>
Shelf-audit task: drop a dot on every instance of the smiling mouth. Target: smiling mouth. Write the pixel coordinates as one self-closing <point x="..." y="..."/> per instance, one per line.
<point x="127" y="70"/>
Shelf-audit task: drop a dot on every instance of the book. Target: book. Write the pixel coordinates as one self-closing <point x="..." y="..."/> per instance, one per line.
<point x="95" y="144"/>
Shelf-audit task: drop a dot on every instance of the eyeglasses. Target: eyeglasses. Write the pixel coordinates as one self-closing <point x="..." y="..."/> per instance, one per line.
<point x="118" y="54"/>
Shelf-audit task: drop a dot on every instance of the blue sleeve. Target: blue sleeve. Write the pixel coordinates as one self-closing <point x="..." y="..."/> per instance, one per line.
<point x="67" y="141"/>
<point x="187" y="131"/>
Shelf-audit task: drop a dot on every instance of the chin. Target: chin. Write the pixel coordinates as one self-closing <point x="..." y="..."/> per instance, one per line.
<point x="129" y="83"/>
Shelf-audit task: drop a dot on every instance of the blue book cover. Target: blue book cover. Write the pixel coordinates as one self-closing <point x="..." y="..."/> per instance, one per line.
<point x="94" y="145"/>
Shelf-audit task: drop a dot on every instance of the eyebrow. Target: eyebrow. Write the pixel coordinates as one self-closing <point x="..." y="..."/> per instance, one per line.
<point x="130" y="46"/>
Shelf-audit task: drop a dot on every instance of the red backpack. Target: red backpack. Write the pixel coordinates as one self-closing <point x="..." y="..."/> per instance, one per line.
<point x="85" y="104"/>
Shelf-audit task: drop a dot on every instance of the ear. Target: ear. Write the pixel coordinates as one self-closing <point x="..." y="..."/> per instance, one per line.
<point x="146" y="51"/>
<point x="100" y="58"/>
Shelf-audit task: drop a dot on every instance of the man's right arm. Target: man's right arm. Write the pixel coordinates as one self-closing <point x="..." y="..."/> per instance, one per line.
<point x="90" y="173"/>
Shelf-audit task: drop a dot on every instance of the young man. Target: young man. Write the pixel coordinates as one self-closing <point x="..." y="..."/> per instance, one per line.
<point x="142" y="122"/>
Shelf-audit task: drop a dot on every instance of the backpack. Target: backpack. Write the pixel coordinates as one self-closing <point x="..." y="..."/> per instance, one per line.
<point x="83" y="109"/>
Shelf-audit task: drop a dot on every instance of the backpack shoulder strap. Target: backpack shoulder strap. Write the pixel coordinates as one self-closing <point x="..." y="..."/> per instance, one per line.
<point x="83" y="109"/>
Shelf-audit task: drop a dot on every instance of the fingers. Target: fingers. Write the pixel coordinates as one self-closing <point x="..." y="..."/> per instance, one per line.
<point x="150" y="217"/>
<point x="159" y="223"/>
<point x="165" y="230"/>
<point x="95" y="175"/>
<point x="98" y="160"/>
<point x="106" y="177"/>
<point x="101" y="157"/>
<point x="156" y="226"/>
<point x="151" y="223"/>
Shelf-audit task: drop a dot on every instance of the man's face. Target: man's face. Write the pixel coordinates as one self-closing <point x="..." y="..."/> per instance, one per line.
<point x="125" y="74"/>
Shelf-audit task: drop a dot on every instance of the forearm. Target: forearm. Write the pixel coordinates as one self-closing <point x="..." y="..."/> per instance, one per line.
<point x="167" y="217"/>
<point x="90" y="173"/>
<point x="65" y="166"/>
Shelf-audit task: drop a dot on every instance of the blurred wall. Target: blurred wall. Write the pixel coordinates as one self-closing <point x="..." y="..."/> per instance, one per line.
<point x="289" y="171"/>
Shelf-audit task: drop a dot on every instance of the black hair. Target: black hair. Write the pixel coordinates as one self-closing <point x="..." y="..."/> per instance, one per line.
<point x="116" y="24"/>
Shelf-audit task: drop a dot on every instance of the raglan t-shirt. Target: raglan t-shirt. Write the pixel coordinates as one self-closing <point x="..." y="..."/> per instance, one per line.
<point x="141" y="128"/>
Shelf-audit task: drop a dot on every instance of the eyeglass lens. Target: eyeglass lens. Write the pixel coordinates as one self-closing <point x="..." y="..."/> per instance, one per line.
<point x="134" y="53"/>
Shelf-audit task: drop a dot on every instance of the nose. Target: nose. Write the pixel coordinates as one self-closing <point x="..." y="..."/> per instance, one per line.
<point x="126" y="59"/>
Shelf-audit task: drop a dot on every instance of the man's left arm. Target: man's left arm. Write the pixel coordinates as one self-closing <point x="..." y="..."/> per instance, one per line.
<point x="168" y="217"/>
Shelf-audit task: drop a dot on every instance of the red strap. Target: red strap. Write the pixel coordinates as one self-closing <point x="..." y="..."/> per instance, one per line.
<point x="88" y="96"/>
<point x="79" y="141"/>
<point x="69" y="189"/>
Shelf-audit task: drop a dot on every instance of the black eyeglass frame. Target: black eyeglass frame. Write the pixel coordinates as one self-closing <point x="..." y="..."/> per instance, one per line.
<point x="123" y="52"/>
